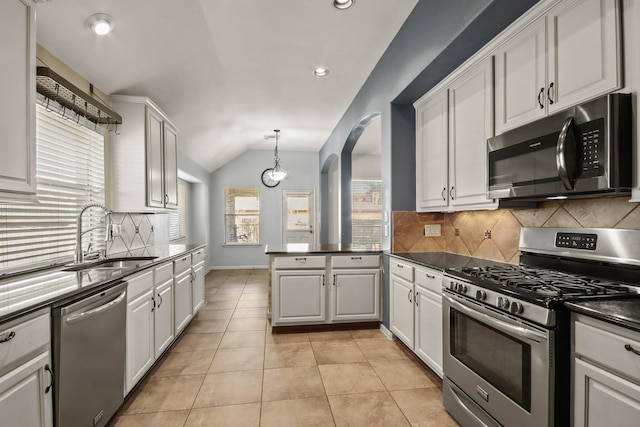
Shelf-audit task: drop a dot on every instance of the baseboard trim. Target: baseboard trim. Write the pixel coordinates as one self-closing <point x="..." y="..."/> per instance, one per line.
<point x="387" y="333"/>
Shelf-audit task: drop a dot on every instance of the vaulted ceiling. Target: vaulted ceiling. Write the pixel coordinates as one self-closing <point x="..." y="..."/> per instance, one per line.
<point x="229" y="71"/>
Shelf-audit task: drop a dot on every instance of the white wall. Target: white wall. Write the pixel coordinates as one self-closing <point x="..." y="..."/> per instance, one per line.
<point x="245" y="171"/>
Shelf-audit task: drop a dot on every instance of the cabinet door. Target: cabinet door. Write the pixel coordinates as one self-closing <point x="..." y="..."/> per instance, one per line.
<point x="356" y="295"/>
<point x="299" y="297"/>
<point x="470" y="125"/>
<point x="140" y="349"/>
<point x="428" y="328"/>
<point x="432" y="157"/>
<point x="521" y="78"/>
<point x="24" y="398"/>
<point x="183" y="301"/>
<point x="170" y="167"/>
<point x="155" y="161"/>
<point x="163" y="317"/>
<point x="603" y="399"/>
<point x="198" y="286"/>
<point x="17" y="113"/>
<point x="584" y="51"/>
<point x="402" y="310"/>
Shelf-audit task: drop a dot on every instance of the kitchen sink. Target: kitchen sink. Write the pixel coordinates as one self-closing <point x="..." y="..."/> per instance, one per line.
<point x="111" y="264"/>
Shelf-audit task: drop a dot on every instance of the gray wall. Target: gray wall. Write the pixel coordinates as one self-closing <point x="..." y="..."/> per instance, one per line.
<point x="245" y="171"/>
<point x="436" y="38"/>
<point x="365" y="166"/>
<point x="199" y="229"/>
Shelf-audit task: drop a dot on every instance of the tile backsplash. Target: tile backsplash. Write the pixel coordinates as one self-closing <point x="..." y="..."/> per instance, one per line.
<point x="137" y="232"/>
<point x="464" y="232"/>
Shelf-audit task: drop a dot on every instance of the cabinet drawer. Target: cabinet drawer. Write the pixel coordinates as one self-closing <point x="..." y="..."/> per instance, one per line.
<point x="429" y="279"/>
<point x="401" y="269"/>
<point x="22" y="338"/>
<point x="181" y="264"/>
<point x="608" y="348"/>
<point x="355" y="261"/>
<point x="197" y="256"/>
<point x="163" y="273"/>
<point x="299" y="262"/>
<point x="139" y="284"/>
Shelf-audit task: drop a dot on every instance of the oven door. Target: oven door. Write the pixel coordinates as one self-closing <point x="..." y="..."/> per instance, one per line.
<point x="501" y="363"/>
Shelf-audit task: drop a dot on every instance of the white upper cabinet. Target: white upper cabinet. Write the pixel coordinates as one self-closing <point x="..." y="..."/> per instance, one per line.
<point x="18" y="87"/>
<point x="521" y="78"/>
<point x="569" y="55"/>
<point x="432" y="152"/>
<point x="143" y="158"/>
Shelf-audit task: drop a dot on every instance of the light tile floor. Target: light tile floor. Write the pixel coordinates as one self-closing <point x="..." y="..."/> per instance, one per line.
<point x="227" y="369"/>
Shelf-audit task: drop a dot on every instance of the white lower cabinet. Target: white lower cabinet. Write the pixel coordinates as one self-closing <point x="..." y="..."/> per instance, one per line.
<point x="606" y="374"/>
<point x="416" y="310"/>
<point x="320" y="289"/>
<point x="198" y="286"/>
<point x="25" y="376"/>
<point x="140" y="330"/>
<point x="183" y="301"/>
<point x="163" y="317"/>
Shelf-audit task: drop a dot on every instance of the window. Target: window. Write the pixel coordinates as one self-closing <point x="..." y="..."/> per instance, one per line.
<point x="69" y="174"/>
<point x="242" y="216"/>
<point x="366" y="212"/>
<point x="178" y="220"/>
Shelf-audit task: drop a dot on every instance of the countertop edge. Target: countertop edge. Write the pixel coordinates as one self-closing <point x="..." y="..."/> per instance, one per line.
<point x="579" y="308"/>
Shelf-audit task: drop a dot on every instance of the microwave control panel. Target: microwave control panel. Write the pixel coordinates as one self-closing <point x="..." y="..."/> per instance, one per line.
<point x="590" y="146"/>
<point x="577" y="241"/>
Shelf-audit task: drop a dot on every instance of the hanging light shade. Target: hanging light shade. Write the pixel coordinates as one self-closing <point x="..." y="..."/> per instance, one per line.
<point x="278" y="173"/>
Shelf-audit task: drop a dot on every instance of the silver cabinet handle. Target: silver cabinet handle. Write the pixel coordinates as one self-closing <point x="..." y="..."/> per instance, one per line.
<point x="549" y="94"/>
<point x="443" y="194"/>
<point x="166" y="199"/>
<point x="335" y="279"/>
<point x="417" y="297"/>
<point x="409" y="295"/>
<point x="323" y="280"/>
<point x="48" y="369"/>
<point x="8" y="336"/>
<point x="356" y="257"/>
<point x="451" y="193"/>
<point x="399" y="265"/>
<point x="429" y="276"/>
<point x="564" y="163"/>
<point x="184" y="259"/>
<point x="87" y="314"/>
<point x="300" y="259"/>
<point x="631" y="349"/>
<point x="153" y="307"/>
<point x="193" y="275"/>
<point x="160" y="298"/>
<point x="539" y="95"/>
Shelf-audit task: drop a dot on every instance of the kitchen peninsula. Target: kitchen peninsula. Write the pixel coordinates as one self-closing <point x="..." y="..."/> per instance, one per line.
<point x="323" y="285"/>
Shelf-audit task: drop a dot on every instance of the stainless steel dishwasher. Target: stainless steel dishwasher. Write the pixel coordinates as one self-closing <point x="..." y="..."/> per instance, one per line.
<point x="89" y="358"/>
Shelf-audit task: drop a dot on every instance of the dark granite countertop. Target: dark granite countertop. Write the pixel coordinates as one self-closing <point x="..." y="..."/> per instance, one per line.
<point x="443" y="260"/>
<point x="303" y="248"/>
<point x="621" y="312"/>
<point x="22" y="294"/>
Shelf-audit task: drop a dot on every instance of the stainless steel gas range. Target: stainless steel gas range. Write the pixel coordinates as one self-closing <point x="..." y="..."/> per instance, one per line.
<point x="507" y="333"/>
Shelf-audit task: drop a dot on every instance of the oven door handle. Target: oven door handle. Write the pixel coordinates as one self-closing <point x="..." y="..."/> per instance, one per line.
<point x="518" y="331"/>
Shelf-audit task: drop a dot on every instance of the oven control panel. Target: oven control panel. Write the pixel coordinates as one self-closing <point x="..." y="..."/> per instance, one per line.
<point x="577" y="241"/>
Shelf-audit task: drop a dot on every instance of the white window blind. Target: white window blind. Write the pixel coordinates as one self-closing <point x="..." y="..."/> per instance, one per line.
<point x="366" y="226"/>
<point x="69" y="174"/>
<point x="178" y="220"/>
<point x="242" y="216"/>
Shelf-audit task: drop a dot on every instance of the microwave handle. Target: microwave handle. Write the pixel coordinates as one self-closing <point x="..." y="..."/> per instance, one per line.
<point x="566" y="147"/>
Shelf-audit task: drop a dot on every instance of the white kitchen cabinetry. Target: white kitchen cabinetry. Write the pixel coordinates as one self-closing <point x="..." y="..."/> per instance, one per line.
<point x="569" y="55"/>
<point x="402" y="300"/>
<point x="606" y="373"/>
<point x="197" y="288"/>
<point x="25" y="375"/>
<point x="428" y="317"/>
<point x="183" y="307"/>
<point x="355" y="287"/>
<point x="317" y="289"/>
<point x="140" y="329"/>
<point x="143" y="158"/>
<point x="452" y="127"/>
<point x="163" y="312"/>
<point x="299" y="290"/>
<point x="18" y="88"/>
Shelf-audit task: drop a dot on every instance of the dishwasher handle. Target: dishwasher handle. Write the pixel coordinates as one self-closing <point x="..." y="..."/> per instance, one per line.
<point x="75" y="318"/>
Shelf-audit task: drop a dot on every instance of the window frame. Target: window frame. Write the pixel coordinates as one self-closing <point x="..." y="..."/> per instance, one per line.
<point x="183" y="214"/>
<point x="227" y="215"/>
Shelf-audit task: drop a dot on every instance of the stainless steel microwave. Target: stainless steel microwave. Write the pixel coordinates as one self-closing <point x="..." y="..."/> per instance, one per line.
<point x="583" y="151"/>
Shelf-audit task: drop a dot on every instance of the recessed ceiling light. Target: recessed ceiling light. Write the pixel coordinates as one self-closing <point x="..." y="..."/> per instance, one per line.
<point x="320" y="72"/>
<point x="343" y="4"/>
<point x="101" y="23"/>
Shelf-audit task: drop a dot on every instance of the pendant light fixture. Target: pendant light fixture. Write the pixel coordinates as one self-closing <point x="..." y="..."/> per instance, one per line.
<point x="277" y="173"/>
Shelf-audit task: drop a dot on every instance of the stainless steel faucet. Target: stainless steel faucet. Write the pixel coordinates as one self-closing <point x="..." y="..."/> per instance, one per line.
<point x="79" y="255"/>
